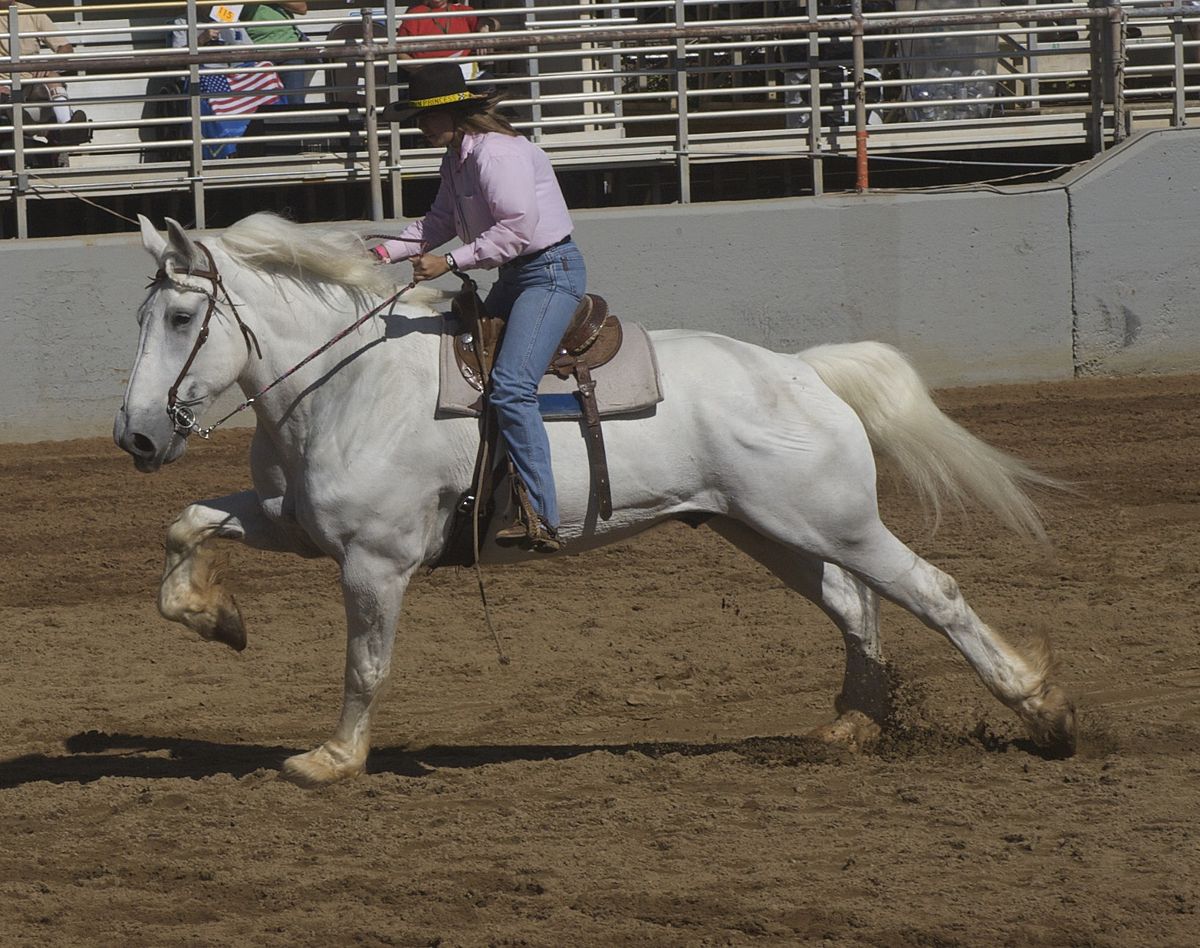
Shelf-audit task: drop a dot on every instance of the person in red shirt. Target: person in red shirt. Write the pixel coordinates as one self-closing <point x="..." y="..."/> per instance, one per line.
<point x="441" y="23"/>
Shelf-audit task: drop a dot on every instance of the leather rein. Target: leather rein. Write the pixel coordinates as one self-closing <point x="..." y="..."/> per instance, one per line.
<point x="181" y="415"/>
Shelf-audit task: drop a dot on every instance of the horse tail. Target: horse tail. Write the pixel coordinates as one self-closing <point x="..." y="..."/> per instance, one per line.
<point x="942" y="460"/>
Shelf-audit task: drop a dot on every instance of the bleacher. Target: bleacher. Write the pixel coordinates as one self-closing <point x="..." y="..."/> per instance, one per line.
<point x="613" y="89"/>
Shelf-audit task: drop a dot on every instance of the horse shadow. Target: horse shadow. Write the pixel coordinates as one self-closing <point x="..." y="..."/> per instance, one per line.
<point x="91" y="755"/>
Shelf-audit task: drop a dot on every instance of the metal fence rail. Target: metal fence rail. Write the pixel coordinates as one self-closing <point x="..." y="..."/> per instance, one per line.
<point x="599" y="84"/>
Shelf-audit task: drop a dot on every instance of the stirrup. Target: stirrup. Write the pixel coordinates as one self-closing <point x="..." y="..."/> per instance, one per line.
<point x="528" y="530"/>
<point x="514" y="534"/>
<point x="544" y="540"/>
<point x="539" y="538"/>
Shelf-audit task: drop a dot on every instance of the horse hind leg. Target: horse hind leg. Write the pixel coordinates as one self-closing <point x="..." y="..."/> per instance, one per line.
<point x="1021" y="682"/>
<point x="864" y="702"/>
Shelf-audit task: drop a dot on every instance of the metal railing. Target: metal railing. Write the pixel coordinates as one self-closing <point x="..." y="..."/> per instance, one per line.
<point x="599" y="84"/>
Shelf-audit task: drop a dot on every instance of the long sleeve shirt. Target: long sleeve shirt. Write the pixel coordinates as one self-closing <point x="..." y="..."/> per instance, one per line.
<point x="499" y="196"/>
<point x="30" y="20"/>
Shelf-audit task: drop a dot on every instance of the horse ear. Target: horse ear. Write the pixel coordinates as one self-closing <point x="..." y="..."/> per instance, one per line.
<point x="152" y="240"/>
<point x="181" y="247"/>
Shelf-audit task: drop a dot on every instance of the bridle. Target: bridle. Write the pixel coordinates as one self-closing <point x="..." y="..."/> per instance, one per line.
<point x="182" y="416"/>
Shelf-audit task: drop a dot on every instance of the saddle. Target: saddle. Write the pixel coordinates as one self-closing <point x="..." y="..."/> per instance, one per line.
<point x="592" y="339"/>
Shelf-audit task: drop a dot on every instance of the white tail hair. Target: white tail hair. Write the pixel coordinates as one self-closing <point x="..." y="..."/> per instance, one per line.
<point x="941" y="459"/>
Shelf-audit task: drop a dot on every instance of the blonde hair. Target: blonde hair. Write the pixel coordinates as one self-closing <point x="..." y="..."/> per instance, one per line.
<point x="480" y="120"/>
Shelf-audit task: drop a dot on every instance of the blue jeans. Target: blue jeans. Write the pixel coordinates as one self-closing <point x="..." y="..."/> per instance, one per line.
<point x="539" y="297"/>
<point x="295" y="83"/>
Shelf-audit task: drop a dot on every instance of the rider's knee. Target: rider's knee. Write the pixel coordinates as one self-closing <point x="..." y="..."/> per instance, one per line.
<point x="510" y="394"/>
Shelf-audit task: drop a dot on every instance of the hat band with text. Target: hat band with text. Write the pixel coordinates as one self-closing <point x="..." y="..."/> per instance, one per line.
<point x="441" y="100"/>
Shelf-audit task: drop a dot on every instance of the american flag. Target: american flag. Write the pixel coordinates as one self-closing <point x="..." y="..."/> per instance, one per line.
<point x="239" y="93"/>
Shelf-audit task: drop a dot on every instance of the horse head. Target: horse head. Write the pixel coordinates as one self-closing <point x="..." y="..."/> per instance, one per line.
<point x="189" y="349"/>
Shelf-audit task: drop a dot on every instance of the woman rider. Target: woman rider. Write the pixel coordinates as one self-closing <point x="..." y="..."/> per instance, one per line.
<point x="500" y="197"/>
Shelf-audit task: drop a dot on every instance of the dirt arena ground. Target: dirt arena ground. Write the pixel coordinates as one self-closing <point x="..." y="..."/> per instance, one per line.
<point x="638" y="775"/>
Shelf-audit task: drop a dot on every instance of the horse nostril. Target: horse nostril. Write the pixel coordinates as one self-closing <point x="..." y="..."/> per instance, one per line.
<point x="143" y="445"/>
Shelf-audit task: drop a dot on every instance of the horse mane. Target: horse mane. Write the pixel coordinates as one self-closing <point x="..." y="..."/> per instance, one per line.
<point x="268" y="242"/>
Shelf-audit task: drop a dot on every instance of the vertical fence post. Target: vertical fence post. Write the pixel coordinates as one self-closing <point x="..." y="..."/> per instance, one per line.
<point x="534" y="69"/>
<point x="1179" y="105"/>
<point x="16" y="100"/>
<point x="615" y="65"/>
<point x="681" y="127"/>
<point x="371" y="126"/>
<point x="1116" y="46"/>
<point x="197" y="156"/>
<point x="862" y="182"/>
<point x="814" y="101"/>
<point x="395" y="156"/>
<point x="1104" y="57"/>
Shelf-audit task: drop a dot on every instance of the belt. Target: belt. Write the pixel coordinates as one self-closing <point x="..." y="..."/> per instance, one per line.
<point x="529" y="257"/>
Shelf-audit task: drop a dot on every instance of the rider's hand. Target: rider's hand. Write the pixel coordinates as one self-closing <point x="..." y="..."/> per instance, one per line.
<point x="429" y="266"/>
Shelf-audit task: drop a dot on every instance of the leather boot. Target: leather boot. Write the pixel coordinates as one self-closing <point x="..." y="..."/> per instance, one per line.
<point x="539" y="538"/>
<point x="514" y="534"/>
<point x="75" y="132"/>
<point x="543" y="539"/>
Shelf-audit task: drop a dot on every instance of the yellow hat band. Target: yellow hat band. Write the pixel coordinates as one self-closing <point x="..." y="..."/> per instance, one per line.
<point x="441" y="100"/>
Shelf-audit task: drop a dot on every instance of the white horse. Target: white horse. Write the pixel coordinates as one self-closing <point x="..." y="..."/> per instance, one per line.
<point x="349" y="461"/>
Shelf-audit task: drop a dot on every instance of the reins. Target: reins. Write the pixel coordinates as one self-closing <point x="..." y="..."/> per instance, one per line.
<point x="183" y="418"/>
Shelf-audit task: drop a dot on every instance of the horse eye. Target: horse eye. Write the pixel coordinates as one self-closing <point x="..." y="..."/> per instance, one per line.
<point x="180" y="319"/>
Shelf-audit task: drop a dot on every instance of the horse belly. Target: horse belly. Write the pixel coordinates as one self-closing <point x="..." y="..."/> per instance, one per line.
<point x="731" y="414"/>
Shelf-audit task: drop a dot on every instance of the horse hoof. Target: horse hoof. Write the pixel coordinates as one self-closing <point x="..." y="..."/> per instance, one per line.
<point x="1050" y="719"/>
<point x="853" y="730"/>
<point x="318" y="768"/>
<point x="220" y="623"/>
<point x="229" y="627"/>
<point x="1052" y="723"/>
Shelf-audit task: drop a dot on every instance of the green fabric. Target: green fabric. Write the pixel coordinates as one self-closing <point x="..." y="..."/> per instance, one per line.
<point x="277" y="28"/>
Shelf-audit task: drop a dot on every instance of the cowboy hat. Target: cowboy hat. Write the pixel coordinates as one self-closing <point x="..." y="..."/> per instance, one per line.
<point x="432" y="87"/>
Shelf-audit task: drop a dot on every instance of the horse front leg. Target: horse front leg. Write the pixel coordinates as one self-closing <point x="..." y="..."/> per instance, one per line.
<point x="373" y="588"/>
<point x="191" y="591"/>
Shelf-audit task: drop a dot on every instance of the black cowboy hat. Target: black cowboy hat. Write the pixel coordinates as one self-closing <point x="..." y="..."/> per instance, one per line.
<point x="433" y="87"/>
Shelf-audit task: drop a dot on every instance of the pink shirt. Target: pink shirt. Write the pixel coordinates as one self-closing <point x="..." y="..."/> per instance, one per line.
<point x="499" y="196"/>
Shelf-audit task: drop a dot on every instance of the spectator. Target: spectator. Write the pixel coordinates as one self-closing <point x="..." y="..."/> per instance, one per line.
<point x="230" y="98"/>
<point x="442" y="24"/>
<point x="1067" y="32"/>
<point x="835" y="61"/>
<point x="274" y="23"/>
<point x="72" y="124"/>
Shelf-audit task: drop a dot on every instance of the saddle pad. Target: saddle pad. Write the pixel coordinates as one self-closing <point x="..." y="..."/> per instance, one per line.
<point x="627" y="384"/>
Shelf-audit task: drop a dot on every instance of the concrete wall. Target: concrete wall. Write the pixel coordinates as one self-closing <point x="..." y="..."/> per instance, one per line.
<point x="1091" y="274"/>
<point x="68" y="331"/>
<point x="1135" y="256"/>
<point x="974" y="286"/>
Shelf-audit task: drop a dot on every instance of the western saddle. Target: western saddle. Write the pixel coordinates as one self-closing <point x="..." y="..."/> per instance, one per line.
<point x="591" y="340"/>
